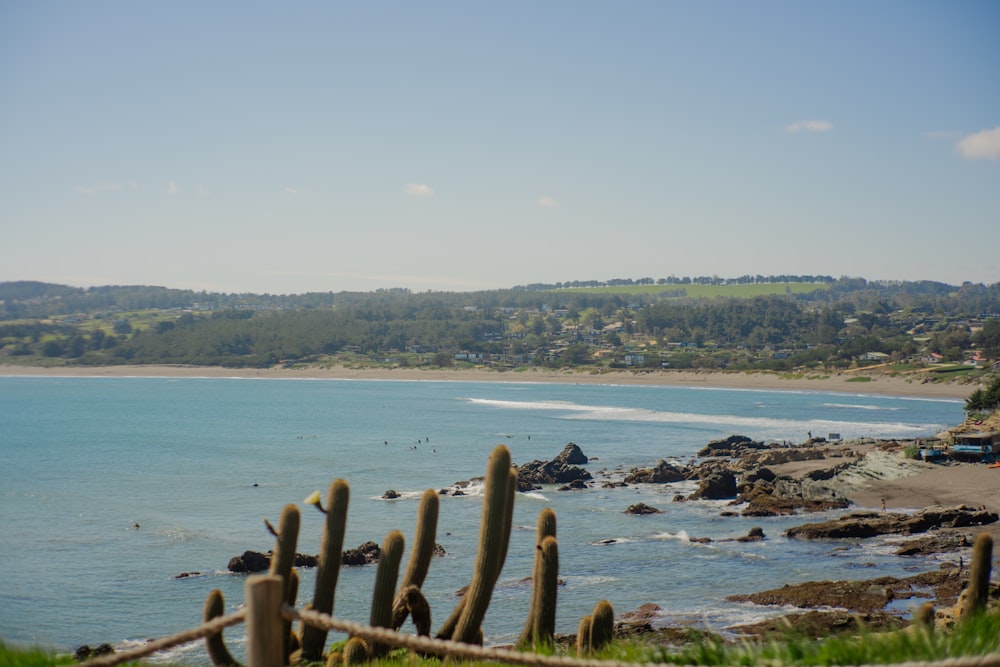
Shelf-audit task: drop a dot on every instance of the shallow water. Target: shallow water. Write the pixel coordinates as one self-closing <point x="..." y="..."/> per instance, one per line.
<point x="198" y="464"/>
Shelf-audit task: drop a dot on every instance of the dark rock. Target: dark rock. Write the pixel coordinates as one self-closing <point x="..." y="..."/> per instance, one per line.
<point x="751" y="477"/>
<point x="642" y="508"/>
<point x="391" y="494"/>
<point x="756" y="534"/>
<point x="366" y="554"/>
<point x="87" y="652"/>
<point x="572" y="455"/>
<point x="870" y="524"/>
<point x="551" y="472"/>
<point x="524" y="485"/>
<point x="575" y="485"/>
<point x="254" y="561"/>
<point x="716" y="486"/>
<point x="250" y="561"/>
<point x="733" y="446"/>
<point x="934" y="544"/>
<point x="661" y="473"/>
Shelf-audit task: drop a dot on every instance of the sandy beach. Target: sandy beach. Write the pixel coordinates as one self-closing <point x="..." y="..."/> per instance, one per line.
<point x="840" y="382"/>
<point x="926" y="484"/>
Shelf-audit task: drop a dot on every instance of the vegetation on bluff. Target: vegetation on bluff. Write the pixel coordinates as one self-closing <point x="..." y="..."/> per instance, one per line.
<point x="826" y="324"/>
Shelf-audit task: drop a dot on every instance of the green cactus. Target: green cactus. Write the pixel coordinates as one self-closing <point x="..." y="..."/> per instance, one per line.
<point x="494" y="537"/>
<point x="977" y="594"/>
<point x="420" y="556"/>
<point x="215" y="606"/>
<point x="540" y="626"/>
<point x="385" y="586"/>
<point x="328" y="568"/>
<point x="283" y="558"/>
<point x="603" y="626"/>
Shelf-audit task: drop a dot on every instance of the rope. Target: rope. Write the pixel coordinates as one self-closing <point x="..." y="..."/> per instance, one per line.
<point x="213" y="627"/>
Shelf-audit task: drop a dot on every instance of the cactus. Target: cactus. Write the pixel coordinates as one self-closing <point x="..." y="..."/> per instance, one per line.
<point x="328" y="568"/>
<point x="494" y="537"/>
<point x="215" y="606"/>
<point x="355" y="651"/>
<point x="540" y="626"/>
<point x="978" y="592"/>
<point x="924" y="617"/>
<point x="284" y="556"/>
<point x="419" y="610"/>
<point x="385" y="586"/>
<point x="420" y="556"/>
<point x="603" y="626"/>
<point x="583" y="636"/>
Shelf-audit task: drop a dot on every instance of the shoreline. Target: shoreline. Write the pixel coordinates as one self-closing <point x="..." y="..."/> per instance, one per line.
<point x="883" y="385"/>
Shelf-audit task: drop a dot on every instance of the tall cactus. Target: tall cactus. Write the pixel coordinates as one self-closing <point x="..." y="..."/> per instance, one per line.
<point x="494" y="537"/>
<point x="539" y="629"/>
<point x="328" y="568"/>
<point x="977" y="595"/>
<point x="284" y="557"/>
<point x="421" y="554"/>
<point x="215" y="606"/>
<point x="385" y="586"/>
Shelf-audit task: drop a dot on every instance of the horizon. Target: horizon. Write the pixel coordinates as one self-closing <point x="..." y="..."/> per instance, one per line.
<point x="457" y="148"/>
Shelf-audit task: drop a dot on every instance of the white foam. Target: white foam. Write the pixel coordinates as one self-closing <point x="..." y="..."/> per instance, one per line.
<point x="766" y="424"/>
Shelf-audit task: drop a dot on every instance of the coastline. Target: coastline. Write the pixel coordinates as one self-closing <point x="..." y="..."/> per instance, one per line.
<point x="884" y="385"/>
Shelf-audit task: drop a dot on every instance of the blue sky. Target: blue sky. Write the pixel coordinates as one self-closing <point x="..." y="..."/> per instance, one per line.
<point x="322" y="146"/>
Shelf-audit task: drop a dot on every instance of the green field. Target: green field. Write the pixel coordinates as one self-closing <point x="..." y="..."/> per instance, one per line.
<point x="706" y="291"/>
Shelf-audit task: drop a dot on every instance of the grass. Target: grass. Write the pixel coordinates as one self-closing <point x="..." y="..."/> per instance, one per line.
<point x="859" y="378"/>
<point x="977" y="636"/>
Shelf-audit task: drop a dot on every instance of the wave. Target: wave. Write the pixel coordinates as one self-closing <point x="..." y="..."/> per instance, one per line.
<point x="767" y="425"/>
<point x="855" y="406"/>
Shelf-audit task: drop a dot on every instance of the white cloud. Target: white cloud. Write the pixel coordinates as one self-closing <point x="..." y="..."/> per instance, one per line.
<point x="548" y="202"/>
<point x="984" y="145"/>
<point x="172" y="188"/>
<point x="418" y="190"/>
<point x="289" y="190"/>
<point x="809" y="126"/>
<point x="104" y="187"/>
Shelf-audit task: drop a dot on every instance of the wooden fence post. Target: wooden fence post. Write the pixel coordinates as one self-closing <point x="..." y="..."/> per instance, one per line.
<point x="264" y="596"/>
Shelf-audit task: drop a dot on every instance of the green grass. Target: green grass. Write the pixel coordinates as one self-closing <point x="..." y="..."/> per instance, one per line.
<point x="706" y="291"/>
<point x="978" y="636"/>
<point x="859" y="378"/>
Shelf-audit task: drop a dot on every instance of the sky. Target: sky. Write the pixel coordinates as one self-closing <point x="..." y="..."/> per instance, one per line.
<point x="456" y="146"/>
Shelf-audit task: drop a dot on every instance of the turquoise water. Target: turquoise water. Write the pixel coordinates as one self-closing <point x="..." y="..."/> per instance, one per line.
<point x="198" y="464"/>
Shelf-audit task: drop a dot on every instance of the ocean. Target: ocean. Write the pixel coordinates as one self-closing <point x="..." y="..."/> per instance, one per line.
<point x="112" y="487"/>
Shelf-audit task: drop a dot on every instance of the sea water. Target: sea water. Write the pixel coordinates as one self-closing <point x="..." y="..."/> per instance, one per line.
<point x="112" y="487"/>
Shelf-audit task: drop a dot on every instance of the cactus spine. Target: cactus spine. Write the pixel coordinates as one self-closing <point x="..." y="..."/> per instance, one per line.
<point x="494" y="536"/>
<point x="420" y="556"/>
<point x="978" y="592"/>
<point x="328" y="569"/>
<point x="283" y="558"/>
<point x="215" y="606"/>
<point x="385" y="586"/>
<point x="539" y="629"/>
